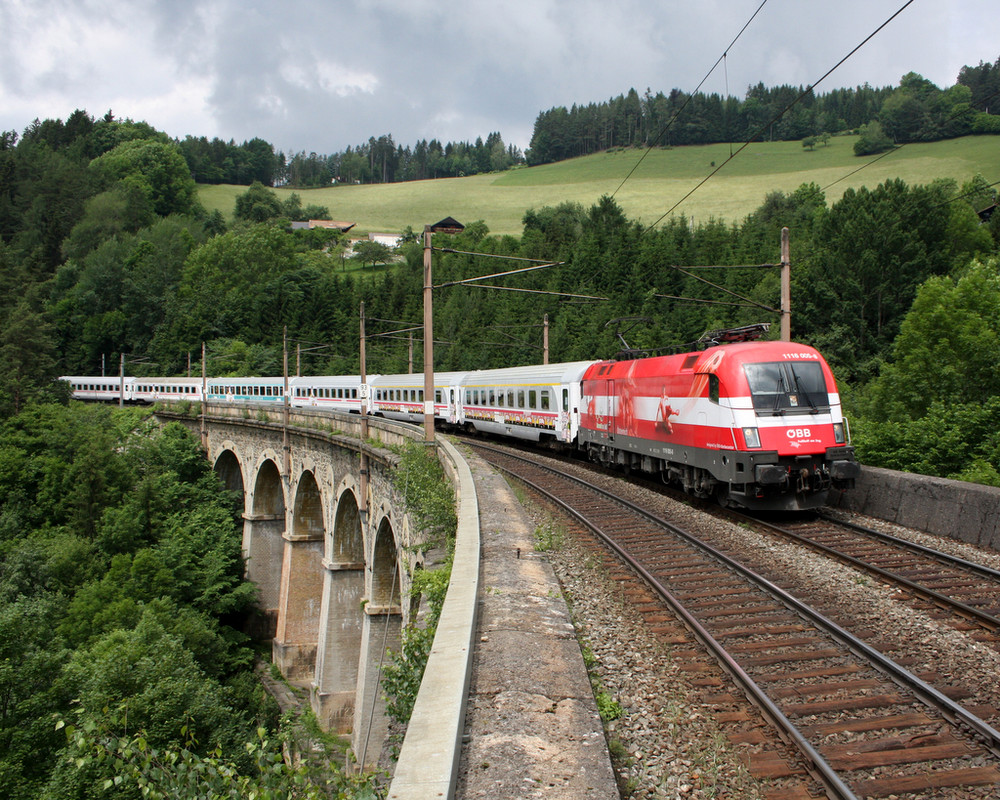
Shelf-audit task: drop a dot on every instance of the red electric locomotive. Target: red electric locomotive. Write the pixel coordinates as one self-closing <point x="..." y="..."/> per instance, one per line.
<point x="755" y="424"/>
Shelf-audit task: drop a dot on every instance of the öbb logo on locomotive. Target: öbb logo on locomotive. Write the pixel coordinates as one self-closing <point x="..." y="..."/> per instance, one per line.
<point x="718" y="421"/>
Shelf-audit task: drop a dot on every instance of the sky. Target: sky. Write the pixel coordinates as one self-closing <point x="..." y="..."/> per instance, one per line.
<point x="322" y="76"/>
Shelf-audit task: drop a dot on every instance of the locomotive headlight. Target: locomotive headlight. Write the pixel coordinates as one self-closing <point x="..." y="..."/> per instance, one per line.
<point x="751" y="437"/>
<point x="838" y="432"/>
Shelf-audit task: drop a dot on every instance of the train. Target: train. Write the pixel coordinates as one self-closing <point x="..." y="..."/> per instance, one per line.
<point x="749" y="423"/>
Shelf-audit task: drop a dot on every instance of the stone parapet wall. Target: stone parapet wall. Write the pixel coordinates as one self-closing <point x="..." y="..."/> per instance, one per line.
<point x="969" y="512"/>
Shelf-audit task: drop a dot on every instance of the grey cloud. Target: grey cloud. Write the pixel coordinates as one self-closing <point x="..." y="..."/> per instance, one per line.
<point x="323" y="76"/>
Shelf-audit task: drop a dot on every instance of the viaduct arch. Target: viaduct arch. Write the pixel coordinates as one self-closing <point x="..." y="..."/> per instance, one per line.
<point x="330" y="546"/>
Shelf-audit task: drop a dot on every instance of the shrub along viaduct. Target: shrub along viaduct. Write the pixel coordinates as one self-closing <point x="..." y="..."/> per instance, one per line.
<point x="332" y="547"/>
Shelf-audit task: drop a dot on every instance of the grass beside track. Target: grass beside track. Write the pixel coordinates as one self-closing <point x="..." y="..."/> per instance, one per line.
<point x="663" y="178"/>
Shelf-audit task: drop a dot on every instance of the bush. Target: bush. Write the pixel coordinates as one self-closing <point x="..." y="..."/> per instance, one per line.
<point x="986" y="123"/>
<point x="402" y="676"/>
<point x="871" y="140"/>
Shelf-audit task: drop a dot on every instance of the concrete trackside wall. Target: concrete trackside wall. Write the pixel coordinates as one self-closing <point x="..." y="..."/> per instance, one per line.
<point x="965" y="511"/>
<point x="430" y="755"/>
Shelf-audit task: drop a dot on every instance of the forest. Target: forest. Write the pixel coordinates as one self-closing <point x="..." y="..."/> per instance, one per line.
<point x="121" y="589"/>
<point x="914" y="111"/>
<point x="379" y="160"/>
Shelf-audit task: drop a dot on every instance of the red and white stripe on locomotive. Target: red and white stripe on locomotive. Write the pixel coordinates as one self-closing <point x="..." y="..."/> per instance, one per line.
<point x="757" y="424"/>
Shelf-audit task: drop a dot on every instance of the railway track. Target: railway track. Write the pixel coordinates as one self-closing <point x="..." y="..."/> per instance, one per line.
<point x="961" y="592"/>
<point x="863" y="726"/>
<point x="967" y="591"/>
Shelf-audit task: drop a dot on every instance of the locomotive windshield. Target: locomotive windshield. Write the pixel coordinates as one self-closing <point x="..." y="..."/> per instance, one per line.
<point x="782" y="387"/>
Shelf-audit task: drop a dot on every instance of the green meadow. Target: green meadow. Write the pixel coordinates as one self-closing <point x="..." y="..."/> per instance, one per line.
<point x="664" y="181"/>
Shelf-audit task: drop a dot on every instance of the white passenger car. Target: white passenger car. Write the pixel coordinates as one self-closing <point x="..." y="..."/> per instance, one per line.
<point x="331" y="392"/>
<point x="539" y="403"/>
<point x="107" y="389"/>
<point x="402" y="396"/>
<point x="152" y="390"/>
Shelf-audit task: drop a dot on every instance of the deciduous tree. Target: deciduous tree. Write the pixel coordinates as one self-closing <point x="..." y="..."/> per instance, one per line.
<point x="157" y="165"/>
<point x="368" y="251"/>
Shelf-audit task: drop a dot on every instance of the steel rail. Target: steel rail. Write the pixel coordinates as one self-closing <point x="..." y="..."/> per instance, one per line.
<point x="945" y="558"/>
<point x="984" y="619"/>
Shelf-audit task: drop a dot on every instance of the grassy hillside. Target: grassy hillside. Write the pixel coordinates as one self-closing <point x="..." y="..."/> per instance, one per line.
<point x="663" y="178"/>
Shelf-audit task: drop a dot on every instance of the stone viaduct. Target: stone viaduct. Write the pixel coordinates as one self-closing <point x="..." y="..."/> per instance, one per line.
<point x="329" y="544"/>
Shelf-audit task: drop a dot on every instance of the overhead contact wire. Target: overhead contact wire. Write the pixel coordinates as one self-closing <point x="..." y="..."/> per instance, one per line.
<point x="677" y="113"/>
<point x="781" y="113"/>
